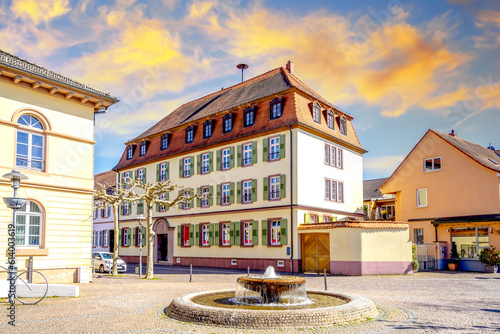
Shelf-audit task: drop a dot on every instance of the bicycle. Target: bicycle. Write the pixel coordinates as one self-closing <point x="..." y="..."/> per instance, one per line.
<point x="30" y="292"/>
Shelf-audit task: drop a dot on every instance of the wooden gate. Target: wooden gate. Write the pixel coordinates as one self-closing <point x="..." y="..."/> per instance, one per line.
<point x="315" y="252"/>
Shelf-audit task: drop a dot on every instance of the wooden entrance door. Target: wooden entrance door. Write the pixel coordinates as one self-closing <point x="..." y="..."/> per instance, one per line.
<point x="315" y="252"/>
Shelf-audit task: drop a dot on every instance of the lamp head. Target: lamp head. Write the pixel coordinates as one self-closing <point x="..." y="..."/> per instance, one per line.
<point x="15" y="176"/>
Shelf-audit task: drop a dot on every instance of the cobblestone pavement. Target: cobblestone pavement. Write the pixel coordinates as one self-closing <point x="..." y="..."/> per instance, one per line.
<point x="427" y="302"/>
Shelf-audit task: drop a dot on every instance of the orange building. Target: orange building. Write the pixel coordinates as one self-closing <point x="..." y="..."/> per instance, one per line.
<point x="447" y="189"/>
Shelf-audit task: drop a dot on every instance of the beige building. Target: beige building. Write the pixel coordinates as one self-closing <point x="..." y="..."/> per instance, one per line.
<point x="47" y="133"/>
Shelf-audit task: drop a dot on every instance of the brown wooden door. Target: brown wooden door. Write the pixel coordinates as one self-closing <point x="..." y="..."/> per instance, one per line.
<point x="315" y="252"/>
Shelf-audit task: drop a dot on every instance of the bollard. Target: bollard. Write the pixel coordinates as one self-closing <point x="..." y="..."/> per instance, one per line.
<point x="248" y="271"/>
<point x="324" y="273"/>
<point x="190" y="273"/>
<point x="30" y="268"/>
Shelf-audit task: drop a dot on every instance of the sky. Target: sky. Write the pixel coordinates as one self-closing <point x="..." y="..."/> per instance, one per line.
<point x="398" y="67"/>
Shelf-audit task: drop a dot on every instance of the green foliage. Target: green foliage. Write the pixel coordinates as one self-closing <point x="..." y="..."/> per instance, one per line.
<point x="414" y="261"/>
<point x="454" y="256"/>
<point x="490" y="256"/>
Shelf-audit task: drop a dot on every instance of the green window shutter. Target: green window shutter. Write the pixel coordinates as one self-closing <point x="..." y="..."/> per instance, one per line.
<point x="129" y="236"/>
<point x="198" y="199"/>
<point x="157" y="172"/>
<point x="191" y="170"/>
<point x="191" y="193"/>
<point x="144" y="179"/>
<point x="122" y="179"/>
<point x="157" y="207"/>
<point x="136" y="174"/>
<point x="307" y="218"/>
<point x="143" y="239"/>
<point x="211" y="234"/>
<point x="255" y="232"/>
<point x="265" y="143"/>
<point x="264" y="232"/>
<point x="133" y="237"/>
<point x="254" y="152"/>
<point x="180" y="168"/>
<point x="254" y="190"/>
<point x="197" y="238"/>
<point x="198" y="164"/>
<point x="167" y="198"/>
<point x="179" y="229"/>
<point x="237" y="233"/>
<point x="211" y="195"/>
<point x="282" y="186"/>
<point x="167" y="167"/>
<point x="231" y="192"/>
<point x="320" y="218"/>
<point x="179" y="206"/>
<point x="191" y="235"/>
<point x="218" y="195"/>
<point x="238" y="155"/>
<point x="266" y="186"/>
<point x="216" y="234"/>
<point x="120" y="235"/>
<point x="282" y="146"/>
<point x="238" y="192"/>
<point x="231" y="157"/>
<point x="283" y="236"/>
<point x="211" y="161"/>
<point x="231" y="233"/>
<point x="218" y="160"/>
<point x="129" y="207"/>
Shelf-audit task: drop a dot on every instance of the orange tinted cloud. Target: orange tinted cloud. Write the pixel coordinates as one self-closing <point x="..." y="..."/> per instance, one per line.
<point x="40" y="11"/>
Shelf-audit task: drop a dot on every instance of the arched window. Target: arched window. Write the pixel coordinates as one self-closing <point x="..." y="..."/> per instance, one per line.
<point x="30" y="145"/>
<point x="29" y="225"/>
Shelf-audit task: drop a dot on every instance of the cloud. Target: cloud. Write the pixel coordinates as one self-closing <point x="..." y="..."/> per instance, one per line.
<point x="489" y="22"/>
<point x="382" y="165"/>
<point x="40" y="11"/>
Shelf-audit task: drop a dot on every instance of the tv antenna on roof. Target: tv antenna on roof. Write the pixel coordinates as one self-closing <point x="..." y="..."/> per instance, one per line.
<point x="242" y="67"/>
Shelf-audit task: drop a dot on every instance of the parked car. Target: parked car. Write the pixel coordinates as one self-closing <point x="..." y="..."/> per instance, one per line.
<point x="103" y="262"/>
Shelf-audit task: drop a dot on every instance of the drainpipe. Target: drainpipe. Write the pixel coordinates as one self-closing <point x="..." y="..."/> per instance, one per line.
<point x="435" y="232"/>
<point x="291" y="199"/>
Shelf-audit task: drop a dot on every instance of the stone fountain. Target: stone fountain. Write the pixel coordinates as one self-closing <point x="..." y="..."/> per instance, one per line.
<point x="270" y="301"/>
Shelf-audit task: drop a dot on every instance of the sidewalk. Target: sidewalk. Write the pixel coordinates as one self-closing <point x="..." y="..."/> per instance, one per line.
<point x="432" y="302"/>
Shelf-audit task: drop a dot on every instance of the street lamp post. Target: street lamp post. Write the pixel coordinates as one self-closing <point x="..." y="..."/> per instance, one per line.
<point x="141" y="218"/>
<point x="15" y="203"/>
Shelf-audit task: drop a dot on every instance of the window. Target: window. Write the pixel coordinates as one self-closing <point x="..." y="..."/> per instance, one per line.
<point x="421" y="198"/>
<point x="162" y="197"/>
<point x="225" y="233"/>
<point x="140" y="207"/>
<point x="185" y="235"/>
<point x="226" y="159"/>
<point x="187" y="167"/>
<point x="205" y="163"/>
<point x="247" y="154"/>
<point x="313" y="218"/>
<point x="276" y="111"/>
<point x="126" y="208"/>
<point x="94" y="214"/>
<point x="387" y="211"/>
<point x="140" y="174"/>
<point x="205" y="194"/>
<point x="30" y="144"/>
<point x="330" y="120"/>
<point x="432" y="165"/>
<point x="327" y="218"/>
<point x="470" y="240"/>
<point x="275" y="233"/>
<point x="29" y="225"/>
<point x="343" y="126"/>
<point x="274" y="187"/>
<point x="189" y="134"/>
<point x="226" y="191"/>
<point x="249" y="116"/>
<point x="125" y="235"/>
<point x="333" y="156"/>
<point x="205" y="240"/>
<point x="162" y="172"/>
<point x="274" y="148"/>
<point x="164" y="142"/>
<point x="327" y="154"/>
<point x="246" y="193"/>
<point x="316" y="112"/>
<point x="94" y="239"/>
<point x="99" y="239"/>
<point x="247" y="233"/>
<point x="186" y="205"/>
<point x="339" y="158"/>
<point x="126" y="179"/>
<point x="418" y="235"/>
<point x="207" y="129"/>
<point x="106" y="238"/>
<point x="142" y="149"/>
<point x="334" y="190"/>
<point x="130" y="152"/>
<point x="227" y="123"/>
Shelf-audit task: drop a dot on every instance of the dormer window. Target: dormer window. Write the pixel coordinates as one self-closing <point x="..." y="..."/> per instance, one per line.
<point x="227" y="123"/>
<point x="130" y="152"/>
<point x="189" y="134"/>
<point x="249" y="116"/>
<point x="276" y="106"/>
<point x="164" y="142"/>
<point x="343" y="126"/>
<point x="330" y="120"/>
<point x="316" y="112"/>
<point x="142" y="149"/>
<point x="207" y="129"/>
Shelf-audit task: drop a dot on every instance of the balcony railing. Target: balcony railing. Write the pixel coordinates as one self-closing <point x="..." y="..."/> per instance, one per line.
<point x="274" y="194"/>
<point x="224" y="199"/>
<point x="246" y="198"/>
<point x="247" y="161"/>
<point x="274" y="155"/>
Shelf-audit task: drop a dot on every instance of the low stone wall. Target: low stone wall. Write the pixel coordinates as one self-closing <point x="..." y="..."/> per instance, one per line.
<point x="356" y="309"/>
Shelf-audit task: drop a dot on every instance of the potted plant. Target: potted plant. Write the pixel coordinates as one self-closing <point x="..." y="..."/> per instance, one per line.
<point x="454" y="261"/>
<point x="490" y="257"/>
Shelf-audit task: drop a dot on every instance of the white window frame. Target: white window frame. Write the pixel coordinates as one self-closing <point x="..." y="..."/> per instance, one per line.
<point x="275" y="235"/>
<point x="274" y="148"/>
<point x="30" y="160"/>
<point x="246" y="191"/>
<point x="205" y="191"/>
<point x="247" y="233"/>
<point x="419" y="201"/>
<point x="140" y="174"/>
<point x="125" y="210"/>
<point x="247" y="154"/>
<point x="126" y="176"/>
<point x="225" y="234"/>
<point x="327" y="154"/>
<point x="432" y="168"/>
<point x="130" y="152"/>
<point x="94" y="238"/>
<point x="225" y="158"/>
<point x="142" y="149"/>
<point x="186" y="165"/>
<point x="343" y="126"/>
<point x="106" y="238"/>
<point x="186" y="205"/>
<point x="205" y="236"/>
<point x="340" y="158"/>
<point x="164" y="142"/>
<point x="27" y="214"/>
<point x="163" y="171"/>
<point x="327" y="189"/>
<point x="336" y="190"/>
<point x="125" y="237"/>
<point x="274" y="187"/>
<point x="317" y="113"/>
<point x="161" y="197"/>
<point x="99" y="239"/>
<point x="276" y="110"/>
<point x="330" y="120"/>
<point x="225" y="193"/>
<point x="205" y="163"/>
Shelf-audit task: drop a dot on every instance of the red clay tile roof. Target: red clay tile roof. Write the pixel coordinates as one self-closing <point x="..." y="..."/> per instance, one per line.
<point x="107" y="179"/>
<point x="376" y="225"/>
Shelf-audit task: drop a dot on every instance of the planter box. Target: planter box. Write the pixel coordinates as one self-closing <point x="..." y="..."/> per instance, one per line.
<point x="490" y="269"/>
<point x="452" y="266"/>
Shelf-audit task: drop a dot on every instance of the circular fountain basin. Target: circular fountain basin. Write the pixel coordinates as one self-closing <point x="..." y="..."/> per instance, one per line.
<point x="213" y="308"/>
<point x="271" y="290"/>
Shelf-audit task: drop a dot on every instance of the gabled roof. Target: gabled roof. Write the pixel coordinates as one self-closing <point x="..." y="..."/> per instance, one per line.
<point x="371" y="189"/>
<point x="107" y="179"/>
<point x="480" y="154"/>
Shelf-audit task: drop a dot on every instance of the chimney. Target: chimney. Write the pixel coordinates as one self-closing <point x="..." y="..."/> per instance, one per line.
<point x="452" y="133"/>
<point x="290" y="67"/>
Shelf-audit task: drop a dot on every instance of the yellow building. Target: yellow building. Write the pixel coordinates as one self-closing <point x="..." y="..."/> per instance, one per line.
<point x="448" y="190"/>
<point x="47" y="133"/>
